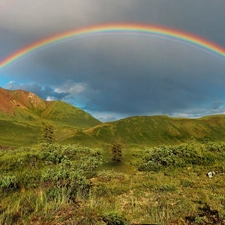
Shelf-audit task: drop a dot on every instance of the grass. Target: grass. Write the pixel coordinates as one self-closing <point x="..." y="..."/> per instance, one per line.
<point x="155" y="130"/>
<point x="23" y="115"/>
<point x="73" y="125"/>
<point x="73" y="184"/>
<point x="13" y="133"/>
<point x="63" y="113"/>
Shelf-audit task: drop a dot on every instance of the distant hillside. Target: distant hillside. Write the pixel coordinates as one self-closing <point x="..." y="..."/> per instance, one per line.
<point x="64" y="113"/>
<point x="157" y="130"/>
<point x="23" y="115"/>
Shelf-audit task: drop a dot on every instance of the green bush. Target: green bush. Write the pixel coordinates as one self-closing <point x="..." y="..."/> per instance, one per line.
<point x="67" y="178"/>
<point x="113" y="218"/>
<point x="73" y="166"/>
<point x="29" y="178"/>
<point x="162" y="157"/>
<point x="8" y="183"/>
<point x="52" y="153"/>
<point x="150" y="166"/>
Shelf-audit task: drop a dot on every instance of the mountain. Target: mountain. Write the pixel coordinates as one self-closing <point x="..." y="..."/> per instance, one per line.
<point x="25" y="105"/>
<point x="23" y="114"/>
<point x="12" y="102"/>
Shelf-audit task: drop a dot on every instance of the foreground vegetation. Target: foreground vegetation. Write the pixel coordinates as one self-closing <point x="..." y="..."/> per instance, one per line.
<point x="72" y="184"/>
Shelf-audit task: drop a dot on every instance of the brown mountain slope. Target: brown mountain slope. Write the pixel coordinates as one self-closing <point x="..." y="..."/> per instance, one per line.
<point x="22" y="105"/>
<point x="10" y="101"/>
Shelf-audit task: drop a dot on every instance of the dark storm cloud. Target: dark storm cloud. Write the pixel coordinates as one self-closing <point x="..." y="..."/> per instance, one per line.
<point x="203" y="17"/>
<point x="42" y="18"/>
<point x="119" y="75"/>
<point x="118" y="78"/>
<point x="138" y="82"/>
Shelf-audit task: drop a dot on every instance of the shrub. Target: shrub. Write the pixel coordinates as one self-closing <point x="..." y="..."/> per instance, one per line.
<point x="48" y="134"/>
<point x="8" y="183"/>
<point x="176" y="156"/>
<point x="72" y="166"/>
<point x="116" y="152"/>
<point x="114" y="218"/>
<point x="52" y="153"/>
<point x="71" y="182"/>
<point x="150" y="166"/>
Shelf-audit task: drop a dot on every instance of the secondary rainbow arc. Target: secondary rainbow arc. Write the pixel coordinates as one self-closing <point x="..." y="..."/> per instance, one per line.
<point x="117" y="28"/>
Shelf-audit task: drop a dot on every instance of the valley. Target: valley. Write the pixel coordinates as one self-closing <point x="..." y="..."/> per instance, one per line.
<point x="70" y="173"/>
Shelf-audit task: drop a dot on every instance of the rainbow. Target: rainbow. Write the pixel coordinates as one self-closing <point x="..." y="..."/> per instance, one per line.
<point x="114" y="29"/>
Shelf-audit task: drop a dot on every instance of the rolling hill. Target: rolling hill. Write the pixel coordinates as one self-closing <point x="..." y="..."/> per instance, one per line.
<point x="23" y="115"/>
<point x="157" y="130"/>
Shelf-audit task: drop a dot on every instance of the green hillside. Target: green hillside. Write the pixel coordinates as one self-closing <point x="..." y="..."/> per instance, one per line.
<point x="159" y="176"/>
<point x="156" y="130"/>
<point x="134" y="131"/>
<point x="23" y="115"/>
<point x="64" y="113"/>
<point x="14" y="133"/>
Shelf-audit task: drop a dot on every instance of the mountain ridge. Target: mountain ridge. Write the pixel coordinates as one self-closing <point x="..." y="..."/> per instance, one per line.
<point x="20" y="104"/>
<point x="23" y="115"/>
<point x="13" y="99"/>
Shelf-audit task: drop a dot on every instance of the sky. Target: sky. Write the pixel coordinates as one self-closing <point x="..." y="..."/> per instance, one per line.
<point x="119" y="74"/>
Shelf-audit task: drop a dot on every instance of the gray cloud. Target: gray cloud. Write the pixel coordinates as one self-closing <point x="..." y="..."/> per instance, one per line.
<point x="120" y="75"/>
<point x="51" y="16"/>
<point x="41" y="18"/>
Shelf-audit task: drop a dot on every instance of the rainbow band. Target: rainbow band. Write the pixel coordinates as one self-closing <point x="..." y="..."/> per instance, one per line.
<point x="117" y="28"/>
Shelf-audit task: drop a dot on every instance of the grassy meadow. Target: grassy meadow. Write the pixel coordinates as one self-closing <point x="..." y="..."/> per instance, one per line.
<point x="52" y="183"/>
<point x="60" y="165"/>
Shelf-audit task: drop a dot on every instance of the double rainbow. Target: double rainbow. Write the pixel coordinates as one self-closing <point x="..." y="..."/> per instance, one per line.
<point x="117" y="28"/>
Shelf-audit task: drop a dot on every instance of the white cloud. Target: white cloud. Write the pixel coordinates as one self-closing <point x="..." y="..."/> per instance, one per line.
<point x="199" y="112"/>
<point x="107" y="116"/>
<point x="75" y="93"/>
<point x="10" y="85"/>
<point x="50" y="98"/>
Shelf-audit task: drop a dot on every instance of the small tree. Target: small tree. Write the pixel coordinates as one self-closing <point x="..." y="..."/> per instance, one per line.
<point x="48" y="134"/>
<point x="116" y="152"/>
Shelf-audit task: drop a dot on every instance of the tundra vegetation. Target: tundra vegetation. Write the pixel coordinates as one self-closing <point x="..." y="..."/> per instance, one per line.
<point x="48" y="178"/>
<point x="72" y="184"/>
